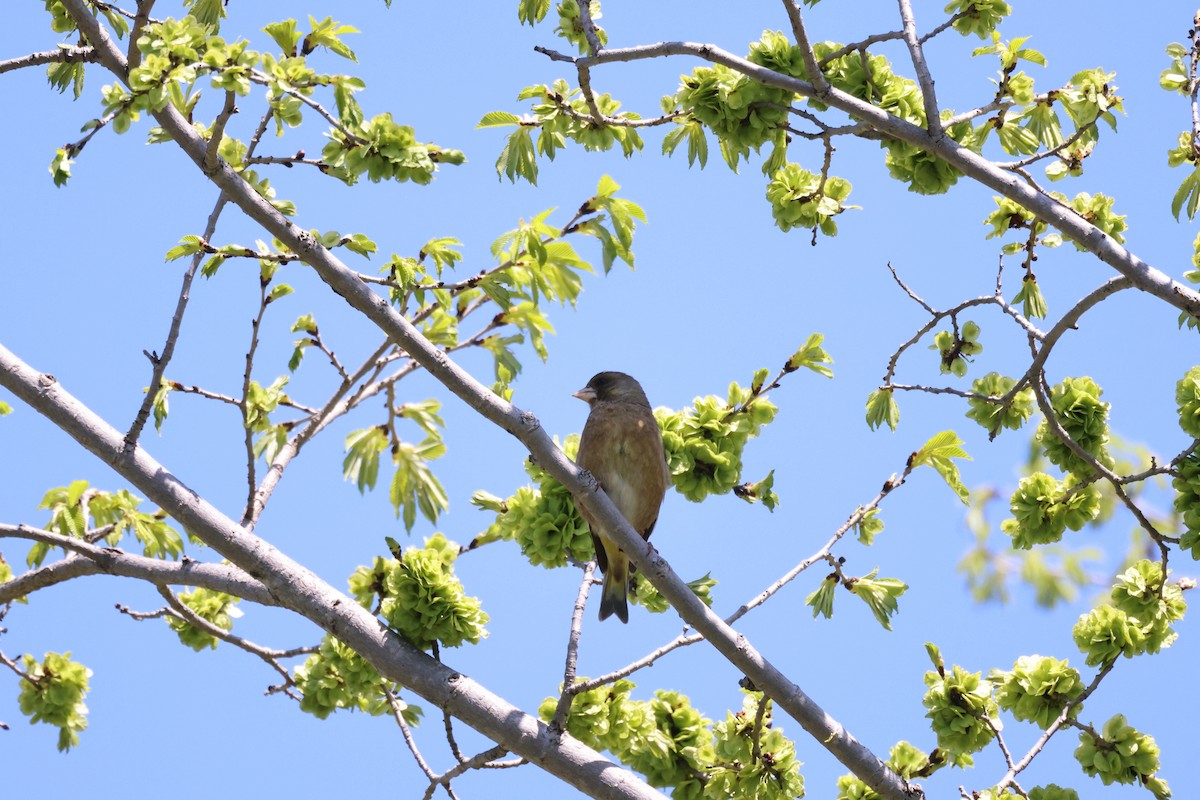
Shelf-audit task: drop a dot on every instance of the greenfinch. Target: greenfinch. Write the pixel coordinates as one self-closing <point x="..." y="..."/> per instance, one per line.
<point x="622" y="447"/>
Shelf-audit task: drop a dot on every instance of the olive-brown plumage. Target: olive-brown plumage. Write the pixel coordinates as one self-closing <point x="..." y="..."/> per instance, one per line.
<point x="622" y="447"/>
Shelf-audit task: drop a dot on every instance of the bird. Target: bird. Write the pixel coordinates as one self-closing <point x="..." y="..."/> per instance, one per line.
<point x="621" y="446"/>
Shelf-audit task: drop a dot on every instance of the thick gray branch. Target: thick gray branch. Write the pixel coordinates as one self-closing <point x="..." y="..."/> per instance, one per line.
<point x="63" y="55"/>
<point x="94" y="560"/>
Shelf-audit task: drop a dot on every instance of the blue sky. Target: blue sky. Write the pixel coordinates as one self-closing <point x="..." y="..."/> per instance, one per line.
<point x="717" y="293"/>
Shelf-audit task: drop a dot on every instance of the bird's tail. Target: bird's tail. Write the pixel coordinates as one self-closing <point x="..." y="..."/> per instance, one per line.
<point x="613" y="597"/>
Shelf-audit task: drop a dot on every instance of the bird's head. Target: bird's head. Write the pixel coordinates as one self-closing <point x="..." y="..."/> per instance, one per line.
<point x="612" y="387"/>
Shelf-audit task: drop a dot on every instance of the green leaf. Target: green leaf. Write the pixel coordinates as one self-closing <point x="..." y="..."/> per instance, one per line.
<point x="821" y="600"/>
<point x="881" y="408"/>
<point x="361" y="464"/>
<point x="812" y="356"/>
<point x="1188" y="191"/>
<point x="498" y="119"/>
<point x="880" y="595"/>
<point x="517" y="159"/>
<point x="5" y="409"/>
<point x="281" y="290"/>
<point x="938" y="453"/>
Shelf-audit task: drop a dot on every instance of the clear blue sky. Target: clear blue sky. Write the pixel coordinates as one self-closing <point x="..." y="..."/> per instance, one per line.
<point x="718" y="292"/>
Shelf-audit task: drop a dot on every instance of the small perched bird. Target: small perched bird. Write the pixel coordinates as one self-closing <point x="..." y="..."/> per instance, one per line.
<point x="622" y="447"/>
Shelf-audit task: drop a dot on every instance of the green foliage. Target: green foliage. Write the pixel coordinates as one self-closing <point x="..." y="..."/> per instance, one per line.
<point x="1033" y="304"/>
<point x="1096" y="209"/>
<point x="1187" y="398"/>
<point x="76" y="508"/>
<point x="869" y="526"/>
<point x="939" y="453"/>
<point x="821" y="599"/>
<point x="1037" y="689"/>
<point x="1187" y="501"/>
<point x="52" y="692"/>
<point x="1043" y="508"/>
<point x="882" y="408"/>
<point x="337" y="677"/>
<point x="1144" y="594"/>
<point x="665" y="739"/>
<point x="561" y="114"/>
<point x="1009" y="215"/>
<point x="979" y="17"/>
<point x="1084" y="418"/>
<point x="1106" y="632"/>
<point x="958" y="703"/>
<point x="704" y="442"/>
<point x="570" y="27"/>
<point x="742" y="113"/>
<point x="924" y="172"/>
<point x="1052" y="791"/>
<point x="737" y="774"/>
<point x="993" y="416"/>
<point x="802" y="199"/>
<point x="420" y="597"/>
<point x="414" y="486"/>
<point x="211" y="606"/>
<point x="905" y="759"/>
<point x="541" y="519"/>
<point x="382" y="149"/>
<point x="1121" y="755"/>
<point x="955" y="348"/>
<point x="880" y="594"/>
<point x="812" y="356"/>
<point x="645" y="595"/>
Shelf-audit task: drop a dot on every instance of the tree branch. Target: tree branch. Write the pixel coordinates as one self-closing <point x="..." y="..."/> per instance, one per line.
<point x="90" y="559"/>
<point x="64" y="55"/>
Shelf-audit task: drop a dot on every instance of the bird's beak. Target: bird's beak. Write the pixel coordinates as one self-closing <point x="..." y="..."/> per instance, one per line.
<point x="587" y="394"/>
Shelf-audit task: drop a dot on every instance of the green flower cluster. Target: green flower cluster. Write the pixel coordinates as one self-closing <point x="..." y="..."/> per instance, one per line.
<point x="214" y="607"/>
<point x="979" y="17"/>
<point x="1139" y="619"/>
<point x="420" y="597"/>
<point x="802" y="199"/>
<point x="338" y="677"/>
<point x="958" y="701"/>
<point x="1122" y="755"/>
<point x="743" y="113"/>
<point x="704" y="443"/>
<point x="383" y="150"/>
<point x="905" y="759"/>
<point x="956" y="348"/>
<point x="1096" y="209"/>
<point x="992" y="416"/>
<point x="1043" y="508"/>
<point x="571" y="28"/>
<point x="52" y="692"/>
<point x="1052" y="791"/>
<point x="665" y="739"/>
<point x="736" y="773"/>
<point x="1187" y="501"/>
<point x="1077" y="406"/>
<point x="1187" y="397"/>
<point x="645" y="595"/>
<point x="1011" y="215"/>
<point x="541" y="519"/>
<point x="1037" y="689"/>
<point x="563" y="114"/>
